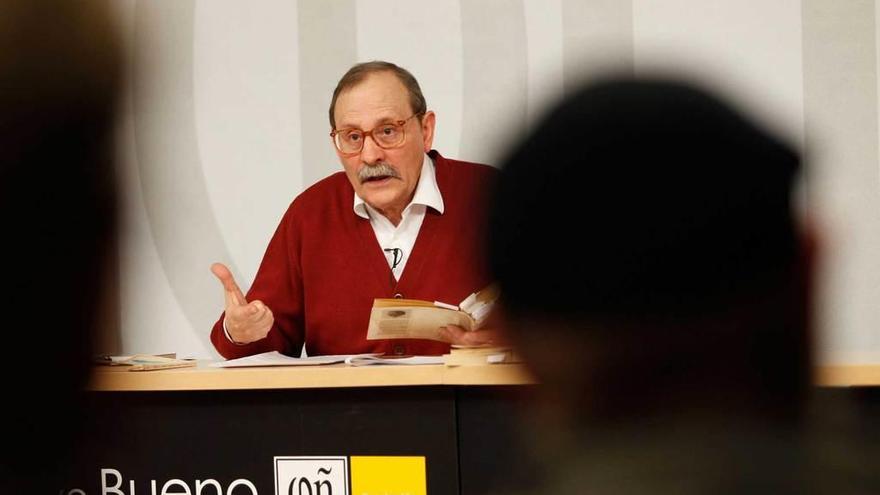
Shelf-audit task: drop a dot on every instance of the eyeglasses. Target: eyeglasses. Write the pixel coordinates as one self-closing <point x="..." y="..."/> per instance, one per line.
<point x="389" y="135"/>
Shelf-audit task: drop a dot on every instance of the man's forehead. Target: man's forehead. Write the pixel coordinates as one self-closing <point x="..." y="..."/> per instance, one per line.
<point x="380" y="96"/>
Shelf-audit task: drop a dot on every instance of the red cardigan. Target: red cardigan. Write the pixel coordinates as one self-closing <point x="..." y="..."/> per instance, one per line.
<point x="323" y="267"/>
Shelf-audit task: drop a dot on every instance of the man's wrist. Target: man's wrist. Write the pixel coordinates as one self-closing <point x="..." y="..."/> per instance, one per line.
<point x="228" y="336"/>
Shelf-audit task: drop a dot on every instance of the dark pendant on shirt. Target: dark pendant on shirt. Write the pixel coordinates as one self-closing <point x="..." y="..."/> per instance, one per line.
<point x="398" y="256"/>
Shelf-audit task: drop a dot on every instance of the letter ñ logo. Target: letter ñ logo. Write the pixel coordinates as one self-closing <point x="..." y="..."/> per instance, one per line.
<point x="306" y="475"/>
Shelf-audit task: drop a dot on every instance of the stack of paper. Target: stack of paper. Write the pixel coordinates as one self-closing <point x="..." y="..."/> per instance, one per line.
<point x="275" y="358"/>
<point x="147" y="362"/>
<point x="376" y="359"/>
<point x="479" y="355"/>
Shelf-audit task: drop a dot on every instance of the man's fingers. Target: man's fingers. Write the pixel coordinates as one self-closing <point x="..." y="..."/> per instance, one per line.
<point x="247" y="314"/>
<point x="457" y="335"/>
<point x="477" y="338"/>
<point x="257" y="311"/>
<point x="472" y="338"/>
<point x="453" y="334"/>
<point x="225" y="276"/>
<point x="232" y="300"/>
<point x="249" y="322"/>
<point x="233" y="293"/>
<point x="264" y="316"/>
<point x="238" y="313"/>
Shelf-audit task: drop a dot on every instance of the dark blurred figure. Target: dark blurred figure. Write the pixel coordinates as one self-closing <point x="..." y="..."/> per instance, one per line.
<point x="59" y="73"/>
<point x="655" y="277"/>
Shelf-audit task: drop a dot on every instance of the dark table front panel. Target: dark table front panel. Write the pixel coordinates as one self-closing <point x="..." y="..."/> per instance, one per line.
<point x="470" y="435"/>
<point x="234" y="435"/>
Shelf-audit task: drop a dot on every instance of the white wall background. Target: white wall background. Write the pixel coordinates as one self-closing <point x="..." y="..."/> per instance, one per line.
<point x="226" y="120"/>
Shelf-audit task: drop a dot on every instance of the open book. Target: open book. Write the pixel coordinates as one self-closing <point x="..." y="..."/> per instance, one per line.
<point x="416" y="319"/>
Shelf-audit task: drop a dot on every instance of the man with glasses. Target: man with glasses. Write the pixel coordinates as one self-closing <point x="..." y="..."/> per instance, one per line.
<point x="401" y="221"/>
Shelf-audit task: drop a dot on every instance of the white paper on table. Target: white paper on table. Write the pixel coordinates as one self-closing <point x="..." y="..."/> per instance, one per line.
<point x="496" y="358"/>
<point x="366" y="359"/>
<point x="275" y="358"/>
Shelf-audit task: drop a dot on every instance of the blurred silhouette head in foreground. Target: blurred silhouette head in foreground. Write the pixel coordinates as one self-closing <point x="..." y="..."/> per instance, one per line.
<point x="648" y="226"/>
<point x="652" y="270"/>
<point x="59" y="71"/>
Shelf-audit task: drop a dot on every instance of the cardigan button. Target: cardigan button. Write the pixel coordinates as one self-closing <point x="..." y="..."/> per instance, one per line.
<point x="398" y="296"/>
<point x="399" y="349"/>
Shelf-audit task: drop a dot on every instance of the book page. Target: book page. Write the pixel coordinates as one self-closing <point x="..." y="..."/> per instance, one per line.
<point x="408" y="321"/>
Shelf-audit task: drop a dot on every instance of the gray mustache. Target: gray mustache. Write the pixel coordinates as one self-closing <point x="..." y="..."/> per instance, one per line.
<point x="377" y="170"/>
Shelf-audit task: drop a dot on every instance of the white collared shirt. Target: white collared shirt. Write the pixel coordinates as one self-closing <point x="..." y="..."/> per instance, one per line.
<point x="397" y="242"/>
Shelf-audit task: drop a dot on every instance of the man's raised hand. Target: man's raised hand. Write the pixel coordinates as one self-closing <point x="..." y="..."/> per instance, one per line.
<point x="245" y="321"/>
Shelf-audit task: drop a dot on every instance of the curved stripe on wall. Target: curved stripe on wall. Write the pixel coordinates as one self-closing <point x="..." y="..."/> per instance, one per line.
<point x="176" y="200"/>
<point x="598" y="36"/>
<point x="425" y="39"/>
<point x="841" y="129"/>
<point x="494" y="77"/>
<point x="327" y="49"/>
<point x="245" y="73"/>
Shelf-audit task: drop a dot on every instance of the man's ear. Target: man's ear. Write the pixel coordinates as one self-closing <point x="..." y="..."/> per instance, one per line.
<point x="428" y="122"/>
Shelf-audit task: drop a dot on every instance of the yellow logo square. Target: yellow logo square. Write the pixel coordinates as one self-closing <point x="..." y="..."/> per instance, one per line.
<point x="379" y="475"/>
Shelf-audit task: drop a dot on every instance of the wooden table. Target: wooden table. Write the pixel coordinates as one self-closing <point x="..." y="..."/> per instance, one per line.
<point x="117" y="379"/>
<point x="204" y="377"/>
<point x="866" y="375"/>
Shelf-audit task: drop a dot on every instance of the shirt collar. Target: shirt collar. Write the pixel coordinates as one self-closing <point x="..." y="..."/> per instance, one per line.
<point x="427" y="192"/>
